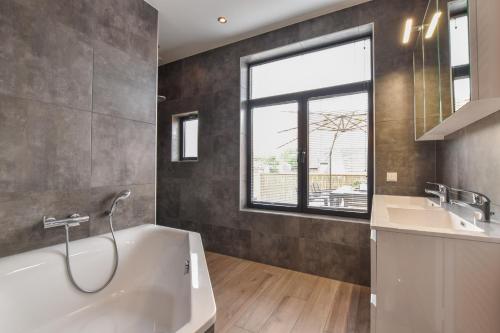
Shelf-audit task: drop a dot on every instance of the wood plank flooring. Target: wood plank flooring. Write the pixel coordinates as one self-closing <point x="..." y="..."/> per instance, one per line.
<point x="254" y="298"/>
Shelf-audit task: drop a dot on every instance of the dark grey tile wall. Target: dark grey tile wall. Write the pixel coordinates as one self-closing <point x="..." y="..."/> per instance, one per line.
<point x="204" y="196"/>
<point x="122" y="151"/>
<point x="77" y="116"/>
<point x="470" y="159"/>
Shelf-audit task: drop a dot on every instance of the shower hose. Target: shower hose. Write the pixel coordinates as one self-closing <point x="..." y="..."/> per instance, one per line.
<point x="68" y="261"/>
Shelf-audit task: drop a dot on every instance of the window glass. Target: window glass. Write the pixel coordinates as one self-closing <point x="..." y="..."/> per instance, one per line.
<point x="338" y="153"/>
<point x="459" y="40"/>
<point x="274" y="158"/>
<point x="190" y="138"/>
<point x="337" y="65"/>
<point x="460" y="59"/>
<point x="461" y="88"/>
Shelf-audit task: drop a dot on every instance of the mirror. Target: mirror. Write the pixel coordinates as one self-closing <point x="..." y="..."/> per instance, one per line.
<point x="441" y="61"/>
<point x="431" y="69"/>
<point x="459" y="55"/>
<point x="419" y="87"/>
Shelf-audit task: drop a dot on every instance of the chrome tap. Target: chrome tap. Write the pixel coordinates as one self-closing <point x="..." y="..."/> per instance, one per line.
<point x="73" y="220"/>
<point x="442" y="193"/>
<point x="480" y="203"/>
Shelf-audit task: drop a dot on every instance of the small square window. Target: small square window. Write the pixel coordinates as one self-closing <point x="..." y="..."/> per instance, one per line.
<point x="185" y="137"/>
<point x="188" y="131"/>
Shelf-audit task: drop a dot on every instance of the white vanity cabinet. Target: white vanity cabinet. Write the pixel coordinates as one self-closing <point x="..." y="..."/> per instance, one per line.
<point x="434" y="284"/>
<point x="471" y="286"/>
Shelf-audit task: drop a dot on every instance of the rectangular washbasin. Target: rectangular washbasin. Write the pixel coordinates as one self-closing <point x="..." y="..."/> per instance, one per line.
<point x="411" y="203"/>
<point x="432" y="218"/>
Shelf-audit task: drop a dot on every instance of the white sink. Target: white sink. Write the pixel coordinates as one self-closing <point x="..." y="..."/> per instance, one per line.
<point x="429" y="217"/>
<point x="411" y="203"/>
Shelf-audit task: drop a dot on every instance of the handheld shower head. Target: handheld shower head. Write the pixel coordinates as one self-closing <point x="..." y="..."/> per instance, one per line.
<point x="124" y="194"/>
<point x="121" y="196"/>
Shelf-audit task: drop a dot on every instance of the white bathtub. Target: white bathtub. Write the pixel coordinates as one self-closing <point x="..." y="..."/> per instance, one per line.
<point x="151" y="291"/>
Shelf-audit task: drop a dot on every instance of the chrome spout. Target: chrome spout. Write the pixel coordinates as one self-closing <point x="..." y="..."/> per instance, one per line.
<point x="480" y="204"/>
<point x="442" y="193"/>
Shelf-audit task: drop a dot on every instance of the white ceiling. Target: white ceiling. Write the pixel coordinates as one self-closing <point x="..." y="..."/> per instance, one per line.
<point x="189" y="27"/>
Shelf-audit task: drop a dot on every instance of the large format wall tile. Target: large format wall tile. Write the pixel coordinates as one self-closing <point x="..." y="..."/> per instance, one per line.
<point x="137" y="209"/>
<point x="129" y="25"/>
<point x="21" y="216"/>
<point x="43" y="60"/>
<point x="470" y="159"/>
<point x="338" y="261"/>
<point x="170" y="84"/>
<point x="43" y="146"/>
<point x="80" y="15"/>
<point x="235" y="242"/>
<point x="123" y="85"/>
<point x="277" y="250"/>
<point x="123" y="151"/>
<point x="345" y="233"/>
<point x="272" y="224"/>
<point x="54" y="54"/>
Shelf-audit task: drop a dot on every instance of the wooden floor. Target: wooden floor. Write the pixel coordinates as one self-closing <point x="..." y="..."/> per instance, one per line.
<point x="253" y="297"/>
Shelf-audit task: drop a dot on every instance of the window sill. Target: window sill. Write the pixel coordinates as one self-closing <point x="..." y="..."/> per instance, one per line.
<point x="306" y="215"/>
<point x="185" y="161"/>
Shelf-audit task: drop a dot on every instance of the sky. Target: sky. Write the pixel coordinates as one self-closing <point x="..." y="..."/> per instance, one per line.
<point x="329" y="67"/>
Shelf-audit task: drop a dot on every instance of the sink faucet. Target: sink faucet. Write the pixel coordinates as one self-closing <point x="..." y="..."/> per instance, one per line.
<point x="480" y="203"/>
<point x="442" y="193"/>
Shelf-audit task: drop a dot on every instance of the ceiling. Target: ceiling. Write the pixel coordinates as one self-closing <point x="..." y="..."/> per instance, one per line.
<point x="189" y="27"/>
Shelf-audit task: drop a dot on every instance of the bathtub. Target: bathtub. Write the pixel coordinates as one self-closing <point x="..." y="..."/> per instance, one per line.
<point x="161" y="285"/>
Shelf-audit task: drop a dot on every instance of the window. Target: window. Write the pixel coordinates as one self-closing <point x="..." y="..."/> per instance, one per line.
<point x="460" y="60"/>
<point x="188" y="133"/>
<point x="309" y="124"/>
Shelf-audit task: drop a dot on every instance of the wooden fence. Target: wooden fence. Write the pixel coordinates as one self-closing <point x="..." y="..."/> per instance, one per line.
<point x="282" y="187"/>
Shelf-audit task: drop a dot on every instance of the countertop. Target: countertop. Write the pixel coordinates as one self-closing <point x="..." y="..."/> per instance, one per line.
<point x="381" y="219"/>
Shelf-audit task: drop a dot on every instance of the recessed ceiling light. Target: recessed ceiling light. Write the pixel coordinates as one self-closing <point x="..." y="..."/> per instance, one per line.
<point x="222" y="19"/>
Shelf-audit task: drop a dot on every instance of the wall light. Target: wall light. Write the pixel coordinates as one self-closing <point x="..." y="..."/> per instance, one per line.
<point x="222" y="19"/>
<point x="408" y="30"/>
<point x="433" y="25"/>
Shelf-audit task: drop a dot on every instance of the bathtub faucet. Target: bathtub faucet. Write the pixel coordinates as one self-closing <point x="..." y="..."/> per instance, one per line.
<point x="72" y="221"/>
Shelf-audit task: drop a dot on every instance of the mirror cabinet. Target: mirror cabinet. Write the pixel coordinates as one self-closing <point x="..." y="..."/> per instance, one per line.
<point x="456" y="66"/>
